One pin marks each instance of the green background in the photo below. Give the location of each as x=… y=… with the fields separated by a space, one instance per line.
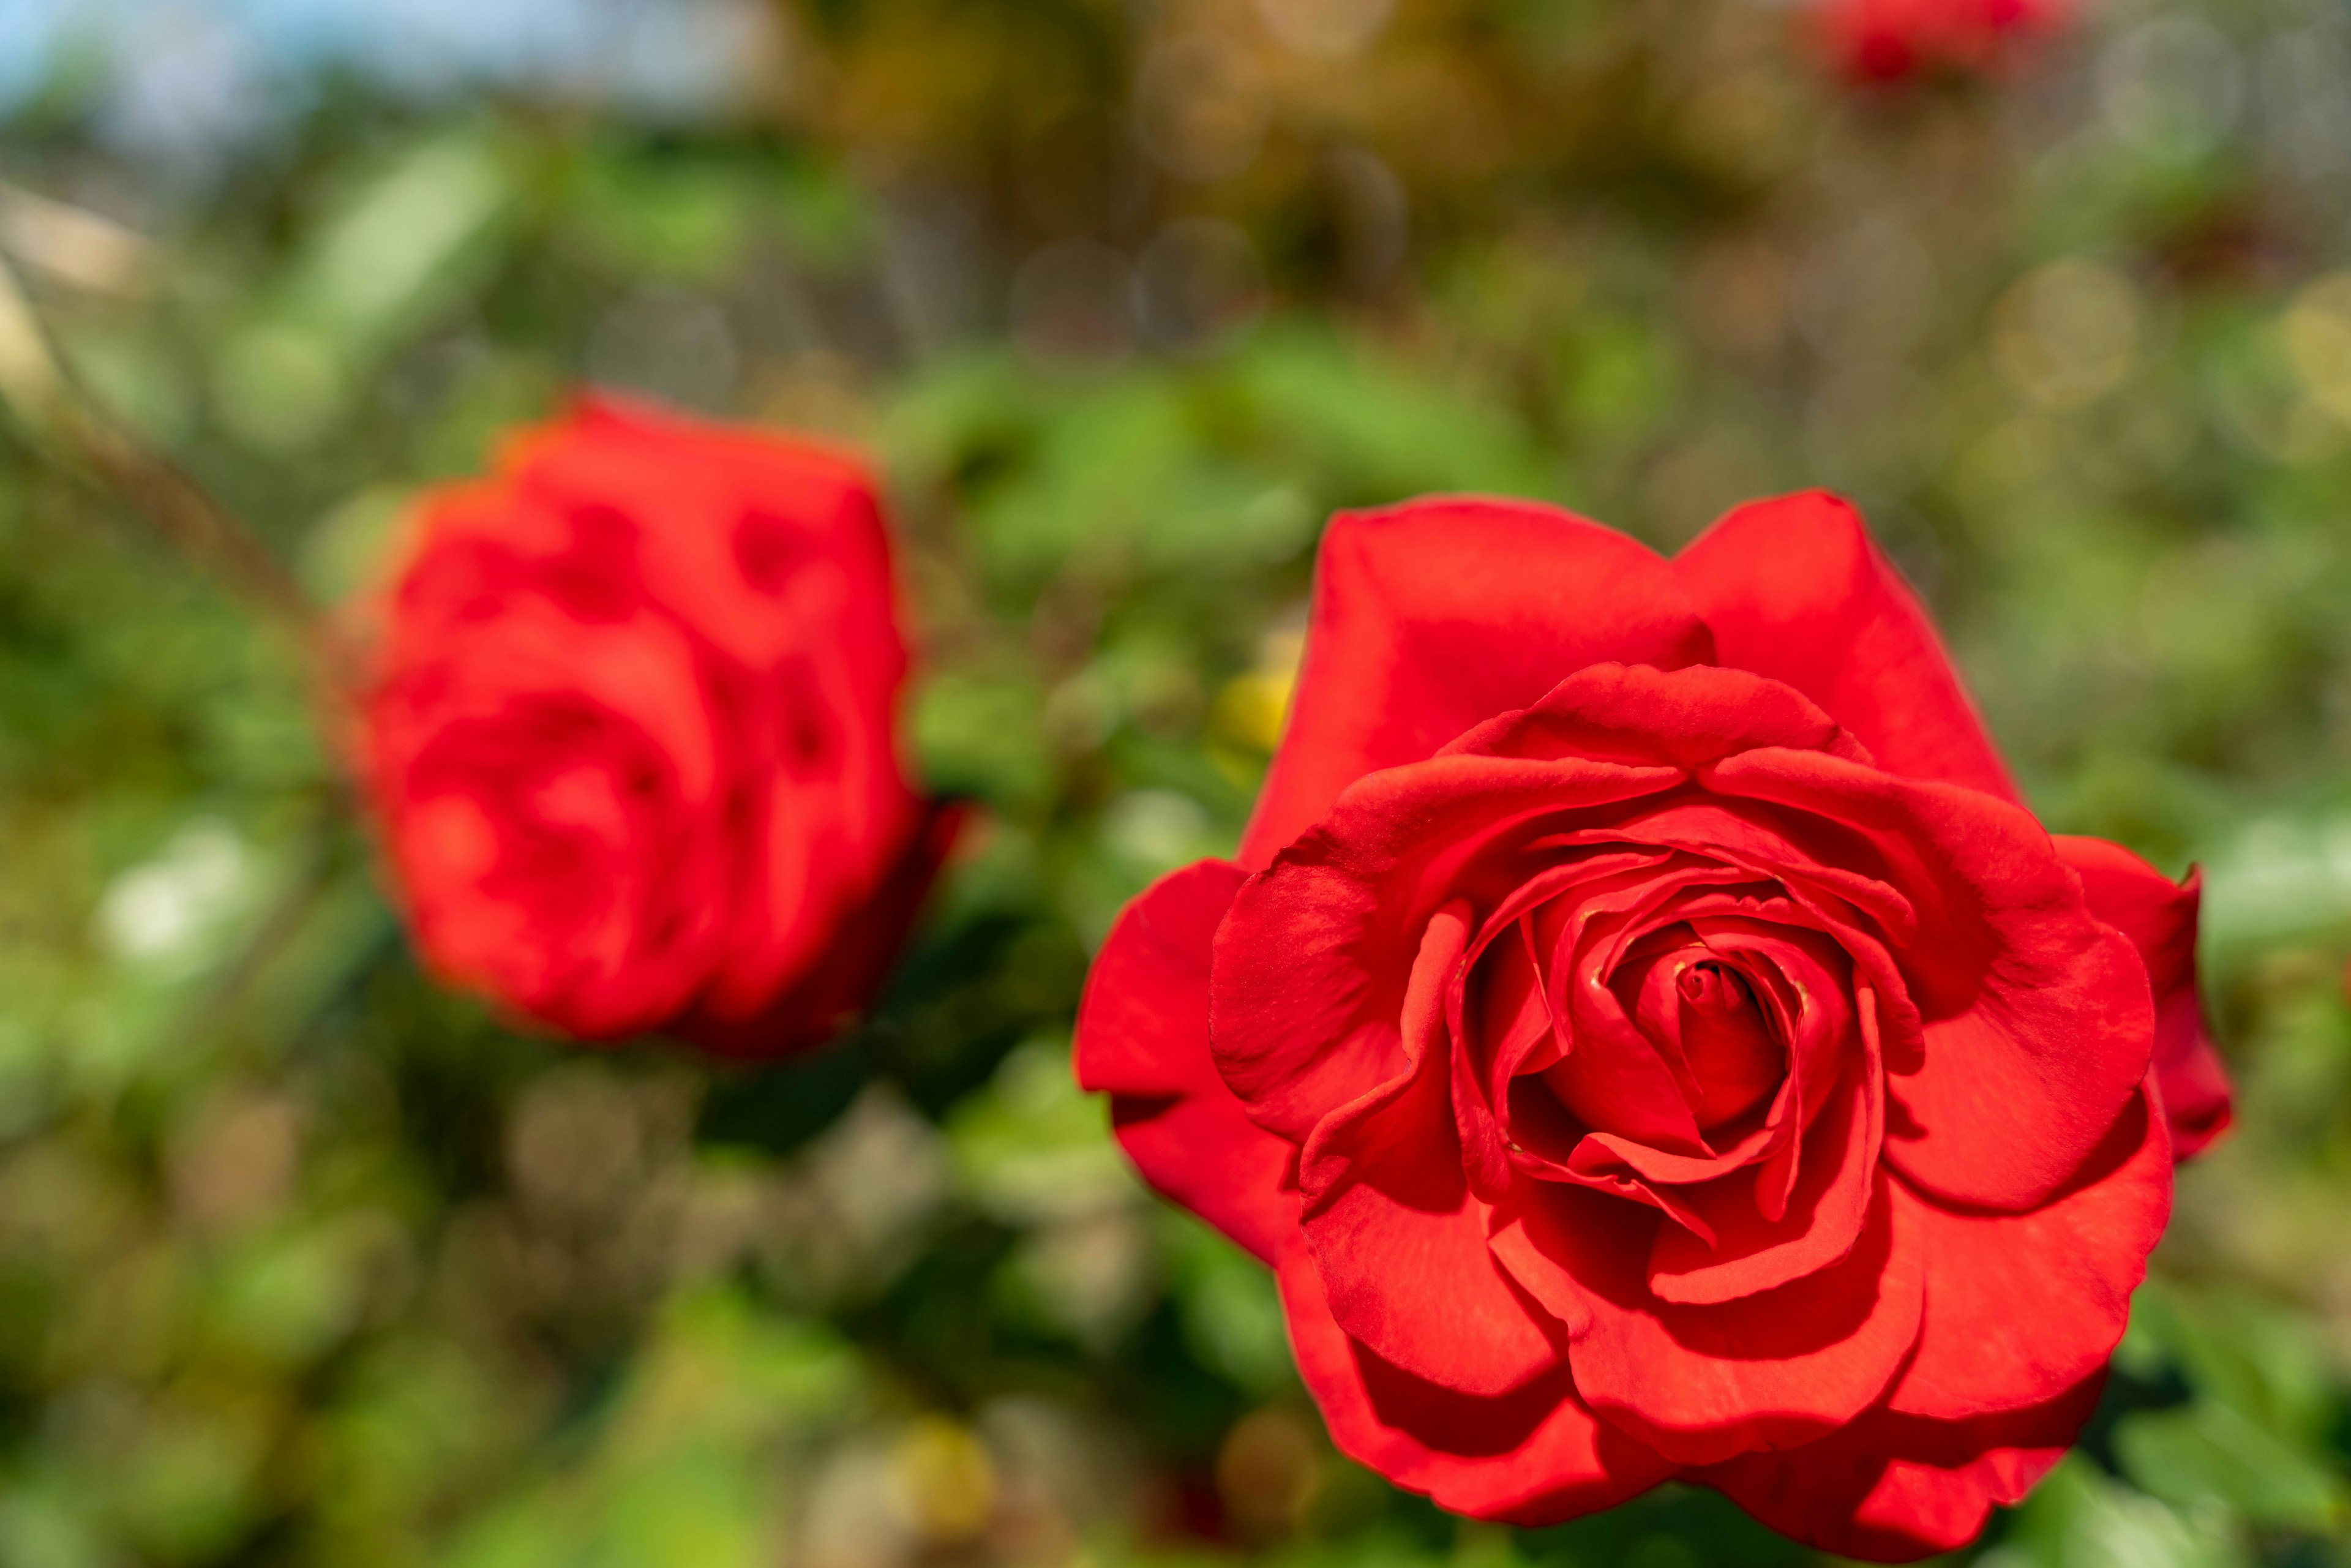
x=303 y=1261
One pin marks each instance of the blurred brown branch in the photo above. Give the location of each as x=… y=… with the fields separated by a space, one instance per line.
x=68 y=429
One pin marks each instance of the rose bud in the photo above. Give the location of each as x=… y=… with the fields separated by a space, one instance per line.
x=631 y=738
x=1650 y=1037
x=1887 y=41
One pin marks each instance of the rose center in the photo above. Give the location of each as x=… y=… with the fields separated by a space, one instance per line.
x=1732 y=1061
x=1701 y=1049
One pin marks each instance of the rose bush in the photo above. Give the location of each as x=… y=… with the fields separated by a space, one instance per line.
x=631 y=734
x=1649 y=1037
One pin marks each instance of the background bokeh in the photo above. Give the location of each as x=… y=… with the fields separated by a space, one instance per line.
x=305 y=1262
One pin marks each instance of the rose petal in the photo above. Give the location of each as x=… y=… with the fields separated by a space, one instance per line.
x=1802 y=977
x=2160 y=917
x=1801 y=852
x=1399 y=1238
x=1607 y=1164
x=2037 y=1019
x=1500 y=1019
x=2022 y=1306
x=1699 y=1383
x=1143 y=1036
x=1520 y=1233
x=1639 y=715
x=1142 y=1023
x=1896 y=1487
x=538 y=845
x=1612 y=1075
x=1794 y=589
x=1437 y=615
x=863 y=939
x=767 y=543
x=1859 y=911
x=1485 y=1143
x=1598 y=1152
x=1201 y=1152
x=1822 y=1223
x=1535 y=1456
x=1711 y=1030
x=1307 y=982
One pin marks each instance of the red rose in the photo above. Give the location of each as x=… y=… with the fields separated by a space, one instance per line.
x=1650 y=1037
x=1893 y=40
x=631 y=738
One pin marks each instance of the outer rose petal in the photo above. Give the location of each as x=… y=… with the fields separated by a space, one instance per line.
x=1535 y=1456
x=1440 y=613
x=2021 y=1307
x=1143 y=1036
x=1794 y=589
x=1896 y=1488
x=1137 y=1032
x=1202 y=1152
x=2160 y=917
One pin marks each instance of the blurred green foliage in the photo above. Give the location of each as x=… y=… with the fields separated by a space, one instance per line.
x=303 y=1261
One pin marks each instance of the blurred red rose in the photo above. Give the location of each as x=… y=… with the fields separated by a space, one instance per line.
x=1891 y=40
x=1650 y=1037
x=632 y=736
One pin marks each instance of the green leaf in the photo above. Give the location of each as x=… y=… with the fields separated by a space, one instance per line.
x=2078 y=1518
x=2206 y=1453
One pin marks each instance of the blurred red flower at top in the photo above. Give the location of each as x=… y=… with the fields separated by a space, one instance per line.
x=1649 y=1038
x=1892 y=40
x=631 y=735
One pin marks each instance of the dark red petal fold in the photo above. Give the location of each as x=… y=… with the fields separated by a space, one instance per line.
x=1142 y=1037
x=1440 y=613
x=1894 y=1488
x=1794 y=589
x=1533 y=1456
x=2160 y=917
